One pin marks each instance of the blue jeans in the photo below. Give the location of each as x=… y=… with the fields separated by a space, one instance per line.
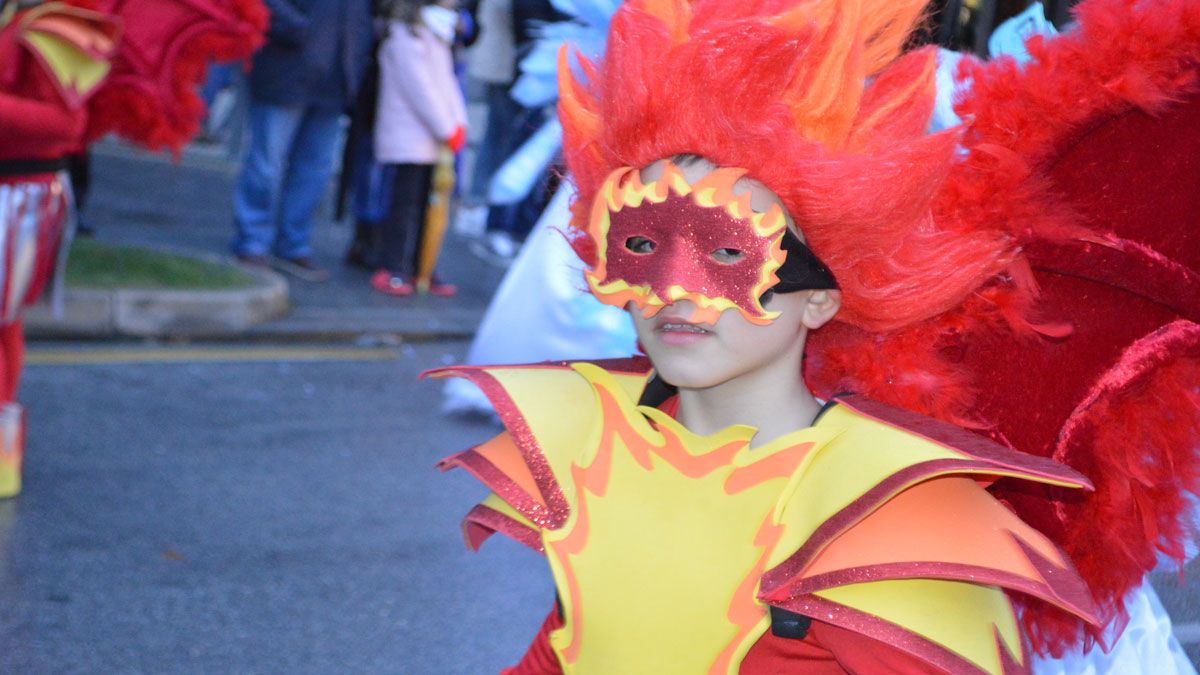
x=499 y=140
x=284 y=177
x=220 y=76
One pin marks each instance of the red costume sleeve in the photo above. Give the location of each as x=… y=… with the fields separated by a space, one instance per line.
x=858 y=654
x=540 y=658
x=35 y=125
x=829 y=650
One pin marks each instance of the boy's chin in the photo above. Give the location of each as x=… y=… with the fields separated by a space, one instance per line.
x=690 y=375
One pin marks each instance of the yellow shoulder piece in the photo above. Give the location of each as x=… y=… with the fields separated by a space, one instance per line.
x=548 y=410
x=890 y=532
x=74 y=44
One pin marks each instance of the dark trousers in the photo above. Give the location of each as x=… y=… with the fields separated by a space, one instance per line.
x=404 y=225
x=518 y=219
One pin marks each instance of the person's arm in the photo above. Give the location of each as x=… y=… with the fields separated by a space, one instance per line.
x=36 y=123
x=288 y=24
x=539 y=659
x=412 y=69
x=861 y=655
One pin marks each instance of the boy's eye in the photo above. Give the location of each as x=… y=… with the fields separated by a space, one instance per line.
x=639 y=244
x=727 y=255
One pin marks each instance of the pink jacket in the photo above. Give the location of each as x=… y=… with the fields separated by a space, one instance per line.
x=420 y=103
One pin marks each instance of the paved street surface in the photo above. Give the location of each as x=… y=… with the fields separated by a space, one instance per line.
x=261 y=509
x=192 y=515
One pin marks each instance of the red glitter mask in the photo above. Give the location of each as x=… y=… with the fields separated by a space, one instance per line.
x=666 y=241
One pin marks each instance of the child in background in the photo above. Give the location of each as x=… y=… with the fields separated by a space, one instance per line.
x=421 y=108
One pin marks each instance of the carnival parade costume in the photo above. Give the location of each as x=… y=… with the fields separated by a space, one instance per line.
x=1019 y=327
x=71 y=72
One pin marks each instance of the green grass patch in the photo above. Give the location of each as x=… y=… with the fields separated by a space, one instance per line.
x=92 y=264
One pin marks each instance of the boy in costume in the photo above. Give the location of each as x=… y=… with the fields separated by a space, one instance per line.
x=748 y=172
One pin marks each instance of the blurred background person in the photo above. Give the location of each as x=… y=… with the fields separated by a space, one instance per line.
x=491 y=62
x=421 y=110
x=363 y=189
x=301 y=81
x=509 y=224
x=363 y=186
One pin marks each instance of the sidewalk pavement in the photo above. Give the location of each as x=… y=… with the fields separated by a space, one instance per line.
x=145 y=199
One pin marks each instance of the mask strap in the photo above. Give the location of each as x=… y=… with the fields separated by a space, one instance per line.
x=802 y=270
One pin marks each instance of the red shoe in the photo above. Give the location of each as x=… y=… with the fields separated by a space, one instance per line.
x=388 y=284
x=441 y=289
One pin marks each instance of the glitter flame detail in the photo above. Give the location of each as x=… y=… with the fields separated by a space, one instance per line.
x=624 y=189
x=716 y=468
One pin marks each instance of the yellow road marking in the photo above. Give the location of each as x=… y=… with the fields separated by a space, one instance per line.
x=56 y=356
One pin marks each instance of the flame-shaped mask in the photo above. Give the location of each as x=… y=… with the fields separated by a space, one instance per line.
x=667 y=240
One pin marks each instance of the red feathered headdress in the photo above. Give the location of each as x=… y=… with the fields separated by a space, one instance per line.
x=777 y=88
x=150 y=96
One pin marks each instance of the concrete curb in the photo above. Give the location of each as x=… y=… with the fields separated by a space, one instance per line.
x=90 y=313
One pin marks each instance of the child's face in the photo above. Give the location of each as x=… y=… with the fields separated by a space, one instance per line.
x=696 y=355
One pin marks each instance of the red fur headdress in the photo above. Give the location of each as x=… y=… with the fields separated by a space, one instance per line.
x=777 y=87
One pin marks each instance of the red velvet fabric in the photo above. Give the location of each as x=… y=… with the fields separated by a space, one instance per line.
x=1148 y=196
x=1109 y=398
x=150 y=97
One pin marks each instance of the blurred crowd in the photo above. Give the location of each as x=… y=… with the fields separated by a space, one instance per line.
x=376 y=97
x=387 y=84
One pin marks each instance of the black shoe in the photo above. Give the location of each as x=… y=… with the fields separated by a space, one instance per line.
x=253 y=261
x=301 y=268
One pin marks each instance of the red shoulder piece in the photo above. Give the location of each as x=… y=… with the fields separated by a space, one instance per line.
x=73 y=46
x=499 y=465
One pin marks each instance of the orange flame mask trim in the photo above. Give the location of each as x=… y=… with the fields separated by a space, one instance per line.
x=667 y=241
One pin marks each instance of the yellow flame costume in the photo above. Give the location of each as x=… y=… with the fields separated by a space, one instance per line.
x=668 y=548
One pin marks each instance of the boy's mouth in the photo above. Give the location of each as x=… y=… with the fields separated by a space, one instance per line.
x=679 y=327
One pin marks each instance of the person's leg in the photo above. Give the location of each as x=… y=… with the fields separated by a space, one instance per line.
x=219 y=78
x=400 y=228
x=494 y=147
x=272 y=129
x=364 y=178
x=506 y=218
x=12 y=348
x=310 y=167
x=79 y=167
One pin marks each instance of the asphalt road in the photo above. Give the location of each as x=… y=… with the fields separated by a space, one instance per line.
x=259 y=509
x=253 y=517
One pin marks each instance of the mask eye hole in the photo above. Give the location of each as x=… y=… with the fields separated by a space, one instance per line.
x=727 y=256
x=640 y=245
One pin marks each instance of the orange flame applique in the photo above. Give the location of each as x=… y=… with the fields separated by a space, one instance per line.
x=669 y=533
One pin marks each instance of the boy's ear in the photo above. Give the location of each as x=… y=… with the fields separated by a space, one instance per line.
x=821 y=307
